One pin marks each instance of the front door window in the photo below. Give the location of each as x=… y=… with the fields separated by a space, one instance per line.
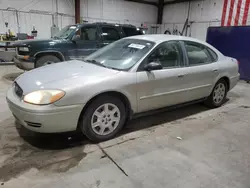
x=88 y=34
x=168 y=54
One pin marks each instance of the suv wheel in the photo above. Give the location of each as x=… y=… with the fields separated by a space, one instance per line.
x=46 y=60
x=103 y=119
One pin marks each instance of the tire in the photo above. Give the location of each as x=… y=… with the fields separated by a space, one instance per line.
x=98 y=133
x=213 y=101
x=45 y=60
x=167 y=32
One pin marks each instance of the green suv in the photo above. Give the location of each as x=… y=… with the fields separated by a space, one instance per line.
x=72 y=42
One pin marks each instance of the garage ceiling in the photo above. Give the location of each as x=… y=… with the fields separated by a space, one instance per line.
x=157 y=2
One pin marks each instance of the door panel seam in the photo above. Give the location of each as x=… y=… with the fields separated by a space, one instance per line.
x=172 y=92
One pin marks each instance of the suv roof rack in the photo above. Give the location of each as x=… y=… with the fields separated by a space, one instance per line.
x=101 y=23
x=130 y=25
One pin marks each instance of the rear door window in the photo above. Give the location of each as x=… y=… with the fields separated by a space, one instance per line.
x=197 y=53
x=131 y=31
x=213 y=54
x=110 y=33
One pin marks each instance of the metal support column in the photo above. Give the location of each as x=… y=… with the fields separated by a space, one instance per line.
x=77 y=11
x=160 y=11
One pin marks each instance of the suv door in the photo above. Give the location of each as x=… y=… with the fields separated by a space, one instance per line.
x=165 y=87
x=88 y=41
x=110 y=34
x=201 y=70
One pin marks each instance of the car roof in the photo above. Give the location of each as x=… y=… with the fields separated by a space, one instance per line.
x=159 y=38
x=108 y=24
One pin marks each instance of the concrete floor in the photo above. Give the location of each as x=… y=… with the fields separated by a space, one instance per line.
x=213 y=150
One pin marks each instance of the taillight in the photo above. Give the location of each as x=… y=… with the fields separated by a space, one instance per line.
x=238 y=65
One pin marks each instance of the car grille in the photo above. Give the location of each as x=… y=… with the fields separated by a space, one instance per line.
x=18 y=90
x=32 y=124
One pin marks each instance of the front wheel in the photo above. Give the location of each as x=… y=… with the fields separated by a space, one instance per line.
x=103 y=118
x=46 y=60
x=218 y=95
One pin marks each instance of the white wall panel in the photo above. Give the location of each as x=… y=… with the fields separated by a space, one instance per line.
x=118 y=11
x=203 y=13
x=42 y=23
x=66 y=6
x=93 y=9
x=39 y=13
x=65 y=20
x=10 y=17
x=199 y=30
x=175 y=13
x=216 y=23
x=45 y=5
x=36 y=13
x=206 y=10
x=168 y=27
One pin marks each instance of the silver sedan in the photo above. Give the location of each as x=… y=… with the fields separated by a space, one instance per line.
x=128 y=77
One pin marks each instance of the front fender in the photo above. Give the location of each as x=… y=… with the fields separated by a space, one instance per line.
x=46 y=52
x=81 y=93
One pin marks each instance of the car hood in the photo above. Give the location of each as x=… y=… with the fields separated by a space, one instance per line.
x=48 y=77
x=32 y=42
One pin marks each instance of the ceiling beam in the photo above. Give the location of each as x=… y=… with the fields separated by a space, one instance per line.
x=143 y=2
x=176 y=1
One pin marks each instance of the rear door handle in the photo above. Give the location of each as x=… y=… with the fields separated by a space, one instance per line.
x=215 y=70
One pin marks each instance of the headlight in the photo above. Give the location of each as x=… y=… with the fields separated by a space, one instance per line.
x=44 y=96
x=24 y=49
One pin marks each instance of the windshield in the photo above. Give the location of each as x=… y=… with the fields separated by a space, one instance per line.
x=122 y=54
x=65 y=32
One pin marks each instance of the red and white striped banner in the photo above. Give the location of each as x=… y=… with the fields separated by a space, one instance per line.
x=235 y=12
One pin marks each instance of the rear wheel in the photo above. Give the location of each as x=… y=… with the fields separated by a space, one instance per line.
x=46 y=60
x=218 y=95
x=103 y=118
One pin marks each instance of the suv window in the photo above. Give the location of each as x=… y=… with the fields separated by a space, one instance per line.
x=168 y=54
x=131 y=31
x=197 y=53
x=88 y=33
x=110 y=33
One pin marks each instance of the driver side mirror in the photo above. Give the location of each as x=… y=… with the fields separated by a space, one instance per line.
x=153 y=66
x=76 y=38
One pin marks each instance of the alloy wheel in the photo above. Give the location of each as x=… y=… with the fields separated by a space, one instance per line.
x=219 y=93
x=105 y=119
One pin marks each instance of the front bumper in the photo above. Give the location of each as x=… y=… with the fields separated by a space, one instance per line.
x=44 y=118
x=23 y=64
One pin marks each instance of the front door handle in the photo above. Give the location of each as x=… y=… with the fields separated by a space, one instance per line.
x=215 y=70
x=181 y=76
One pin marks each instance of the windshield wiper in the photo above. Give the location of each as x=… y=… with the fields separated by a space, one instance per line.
x=95 y=62
x=100 y=64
